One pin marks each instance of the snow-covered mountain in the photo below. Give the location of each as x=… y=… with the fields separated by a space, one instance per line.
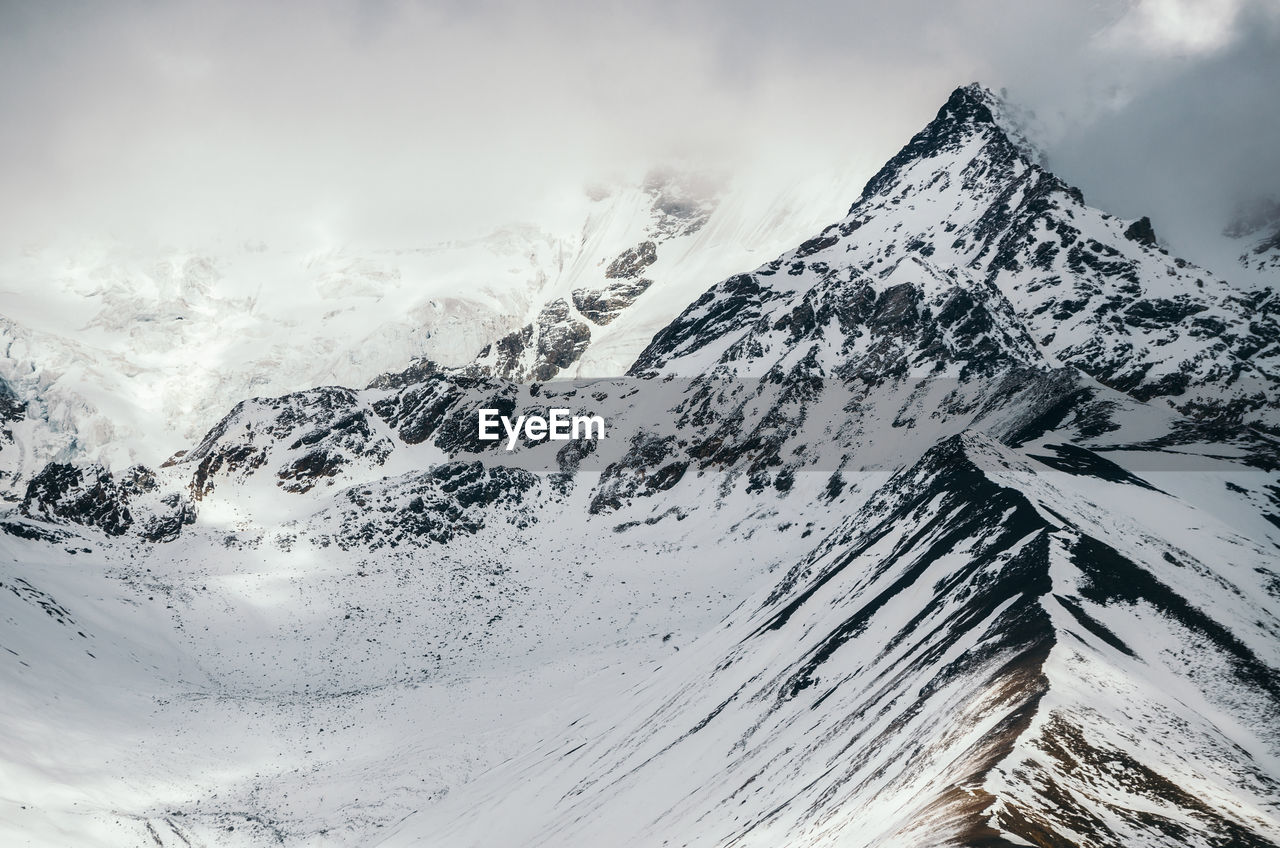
x=125 y=356
x=954 y=525
x=964 y=216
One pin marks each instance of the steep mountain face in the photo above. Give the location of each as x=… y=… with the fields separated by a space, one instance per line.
x=985 y=503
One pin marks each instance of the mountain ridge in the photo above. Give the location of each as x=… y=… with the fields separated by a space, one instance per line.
x=788 y=760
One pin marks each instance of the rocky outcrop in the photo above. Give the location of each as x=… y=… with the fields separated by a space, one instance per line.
x=537 y=351
x=601 y=306
x=117 y=504
x=165 y=526
x=11 y=408
x=631 y=263
x=1142 y=232
x=91 y=497
x=432 y=507
x=312 y=435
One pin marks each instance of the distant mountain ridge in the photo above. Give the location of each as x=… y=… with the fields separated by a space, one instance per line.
x=124 y=356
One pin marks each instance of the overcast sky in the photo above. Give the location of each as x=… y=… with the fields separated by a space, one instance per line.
x=407 y=122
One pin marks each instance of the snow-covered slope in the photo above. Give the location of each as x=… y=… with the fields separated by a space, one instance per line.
x=954 y=525
x=991 y=651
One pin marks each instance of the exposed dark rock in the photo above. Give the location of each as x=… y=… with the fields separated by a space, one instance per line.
x=1161 y=312
x=434 y=507
x=540 y=350
x=87 y=496
x=227 y=459
x=1142 y=232
x=652 y=465
x=728 y=306
x=329 y=426
x=816 y=244
x=11 y=411
x=601 y=306
x=137 y=480
x=418 y=410
x=11 y=408
x=24 y=530
x=165 y=527
x=1086 y=463
x=631 y=263
x=419 y=371
x=332 y=447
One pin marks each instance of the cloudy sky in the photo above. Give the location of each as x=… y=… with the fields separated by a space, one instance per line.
x=412 y=121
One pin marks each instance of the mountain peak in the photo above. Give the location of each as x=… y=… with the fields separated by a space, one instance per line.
x=972 y=111
x=973 y=102
x=982 y=105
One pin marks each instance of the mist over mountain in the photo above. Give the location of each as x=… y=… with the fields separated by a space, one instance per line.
x=402 y=124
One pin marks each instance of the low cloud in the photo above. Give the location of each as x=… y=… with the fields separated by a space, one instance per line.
x=410 y=122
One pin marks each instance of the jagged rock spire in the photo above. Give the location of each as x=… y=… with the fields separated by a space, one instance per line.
x=971 y=111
